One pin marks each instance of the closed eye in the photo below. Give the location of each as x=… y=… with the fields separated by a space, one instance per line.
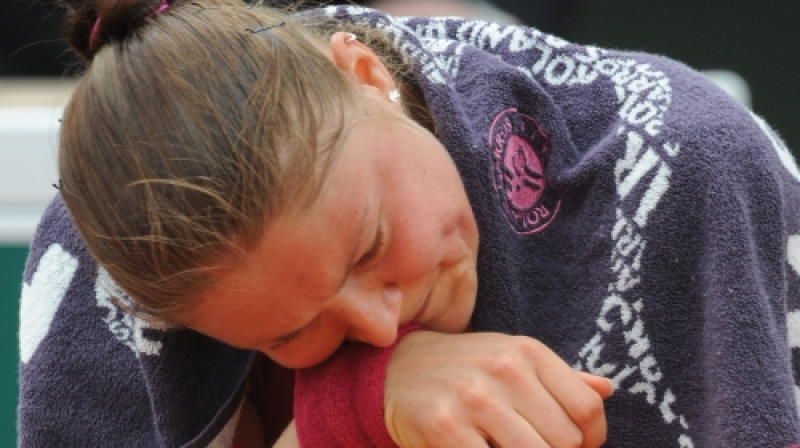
x=285 y=339
x=373 y=251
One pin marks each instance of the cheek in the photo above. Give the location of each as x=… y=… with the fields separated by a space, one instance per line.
x=413 y=253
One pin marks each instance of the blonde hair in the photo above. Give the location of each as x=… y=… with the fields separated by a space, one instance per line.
x=188 y=132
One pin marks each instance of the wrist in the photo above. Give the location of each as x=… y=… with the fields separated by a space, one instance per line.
x=340 y=402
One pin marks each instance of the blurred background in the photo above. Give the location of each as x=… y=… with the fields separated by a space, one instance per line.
x=751 y=48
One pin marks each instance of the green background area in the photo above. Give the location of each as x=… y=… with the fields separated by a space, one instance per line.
x=12 y=261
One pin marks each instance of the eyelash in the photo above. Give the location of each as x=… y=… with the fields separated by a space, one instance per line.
x=285 y=341
x=374 y=250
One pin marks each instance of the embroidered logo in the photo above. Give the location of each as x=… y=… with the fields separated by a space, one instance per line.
x=126 y=328
x=518 y=146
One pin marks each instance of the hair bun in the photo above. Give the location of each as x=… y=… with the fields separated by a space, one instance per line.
x=89 y=25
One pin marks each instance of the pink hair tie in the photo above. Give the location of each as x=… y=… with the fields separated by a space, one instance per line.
x=163 y=5
x=161 y=8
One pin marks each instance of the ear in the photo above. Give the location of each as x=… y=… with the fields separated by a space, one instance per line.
x=359 y=63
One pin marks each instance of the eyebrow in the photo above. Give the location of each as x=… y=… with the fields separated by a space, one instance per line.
x=351 y=259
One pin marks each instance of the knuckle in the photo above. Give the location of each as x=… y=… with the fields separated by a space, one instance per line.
x=442 y=423
x=590 y=409
x=515 y=360
x=529 y=347
x=504 y=366
x=474 y=394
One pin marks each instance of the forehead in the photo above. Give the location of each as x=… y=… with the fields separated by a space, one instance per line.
x=300 y=260
x=310 y=241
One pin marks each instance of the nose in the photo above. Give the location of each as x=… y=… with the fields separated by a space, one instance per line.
x=371 y=316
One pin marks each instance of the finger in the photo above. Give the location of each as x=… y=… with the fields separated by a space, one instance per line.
x=550 y=397
x=464 y=440
x=602 y=386
x=581 y=403
x=510 y=430
x=493 y=407
x=547 y=417
x=444 y=429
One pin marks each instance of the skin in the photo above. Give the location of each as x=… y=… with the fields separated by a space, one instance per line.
x=392 y=239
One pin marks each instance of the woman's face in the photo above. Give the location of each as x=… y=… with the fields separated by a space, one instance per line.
x=391 y=239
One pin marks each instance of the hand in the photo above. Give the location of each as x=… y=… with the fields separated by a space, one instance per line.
x=487 y=389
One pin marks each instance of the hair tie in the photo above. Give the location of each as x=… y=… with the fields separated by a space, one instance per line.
x=161 y=8
x=163 y=5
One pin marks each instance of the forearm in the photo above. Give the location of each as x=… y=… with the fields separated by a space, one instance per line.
x=339 y=403
x=423 y=391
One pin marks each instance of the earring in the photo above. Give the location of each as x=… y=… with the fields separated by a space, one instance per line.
x=394 y=96
x=350 y=38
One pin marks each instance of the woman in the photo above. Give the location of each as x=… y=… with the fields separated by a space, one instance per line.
x=300 y=186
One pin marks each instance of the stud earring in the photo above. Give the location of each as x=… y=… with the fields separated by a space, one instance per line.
x=350 y=38
x=394 y=96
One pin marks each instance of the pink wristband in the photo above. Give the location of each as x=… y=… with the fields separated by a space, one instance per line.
x=339 y=403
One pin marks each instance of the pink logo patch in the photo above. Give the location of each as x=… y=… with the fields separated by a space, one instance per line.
x=518 y=146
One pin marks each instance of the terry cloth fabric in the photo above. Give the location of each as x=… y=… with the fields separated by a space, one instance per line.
x=359 y=399
x=92 y=374
x=633 y=217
